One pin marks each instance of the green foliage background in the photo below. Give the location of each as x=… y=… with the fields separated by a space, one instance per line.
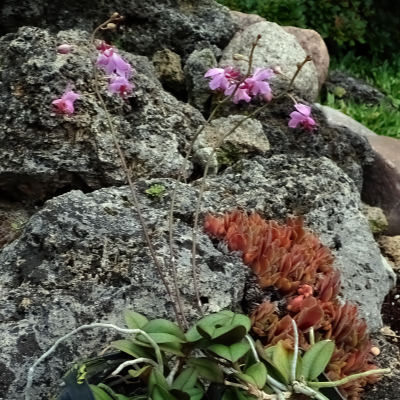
x=363 y=37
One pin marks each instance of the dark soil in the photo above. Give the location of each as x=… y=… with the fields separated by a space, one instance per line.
x=389 y=344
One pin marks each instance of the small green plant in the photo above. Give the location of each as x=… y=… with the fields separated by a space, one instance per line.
x=155 y=191
x=215 y=359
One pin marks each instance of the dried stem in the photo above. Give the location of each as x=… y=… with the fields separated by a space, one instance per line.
x=202 y=187
x=178 y=312
x=299 y=68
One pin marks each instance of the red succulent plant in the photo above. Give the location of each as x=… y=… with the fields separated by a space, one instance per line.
x=294 y=261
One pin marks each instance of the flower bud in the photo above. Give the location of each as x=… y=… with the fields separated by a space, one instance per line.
x=239 y=57
x=111 y=26
x=114 y=15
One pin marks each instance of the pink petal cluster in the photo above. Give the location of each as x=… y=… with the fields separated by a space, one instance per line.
x=120 y=85
x=302 y=117
x=65 y=105
x=117 y=68
x=227 y=80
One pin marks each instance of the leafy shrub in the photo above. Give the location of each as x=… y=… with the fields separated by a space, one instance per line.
x=371 y=25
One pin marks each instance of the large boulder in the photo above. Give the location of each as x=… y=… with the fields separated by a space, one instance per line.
x=313 y=44
x=381 y=186
x=351 y=152
x=319 y=191
x=148 y=25
x=348 y=87
x=42 y=153
x=275 y=48
x=83 y=259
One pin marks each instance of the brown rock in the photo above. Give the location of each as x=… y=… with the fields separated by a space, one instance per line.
x=313 y=44
x=243 y=20
x=390 y=246
x=382 y=180
x=169 y=70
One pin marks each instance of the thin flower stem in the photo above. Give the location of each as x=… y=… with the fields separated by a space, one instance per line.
x=250 y=62
x=299 y=68
x=173 y=199
x=178 y=311
x=349 y=378
x=31 y=370
x=181 y=173
x=202 y=187
x=295 y=352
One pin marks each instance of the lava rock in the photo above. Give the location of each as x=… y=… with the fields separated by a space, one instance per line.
x=148 y=26
x=42 y=153
x=348 y=87
x=83 y=259
x=319 y=191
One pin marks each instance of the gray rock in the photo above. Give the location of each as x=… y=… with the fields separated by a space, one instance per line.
x=381 y=186
x=275 y=48
x=351 y=152
x=247 y=139
x=330 y=203
x=42 y=153
x=197 y=64
x=337 y=118
x=82 y=259
x=169 y=71
x=148 y=26
x=376 y=219
x=348 y=87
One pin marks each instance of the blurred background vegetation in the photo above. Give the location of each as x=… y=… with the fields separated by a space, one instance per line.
x=363 y=38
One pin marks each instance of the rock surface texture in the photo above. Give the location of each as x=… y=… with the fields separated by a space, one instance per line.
x=382 y=176
x=42 y=153
x=275 y=48
x=82 y=259
x=72 y=249
x=329 y=201
x=349 y=87
x=313 y=44
x=149 y=25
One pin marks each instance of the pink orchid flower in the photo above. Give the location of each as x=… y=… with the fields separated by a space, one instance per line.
x=222 y=78
x=112 y=63
x=302 y=117
x=65 y=105
x=120 y=85
x=257 y=84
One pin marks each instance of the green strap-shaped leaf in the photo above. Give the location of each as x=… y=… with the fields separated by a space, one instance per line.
x=232 y=353
x=162 y=338
x=316 y=359
x=207 y=369
x=156 y=378
x=159 y=393
x=186 y=380
x=281 y=361
x=135 y=320
x=164 y=326
x=131 y=348
x=258 y=372
x=99 y=394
